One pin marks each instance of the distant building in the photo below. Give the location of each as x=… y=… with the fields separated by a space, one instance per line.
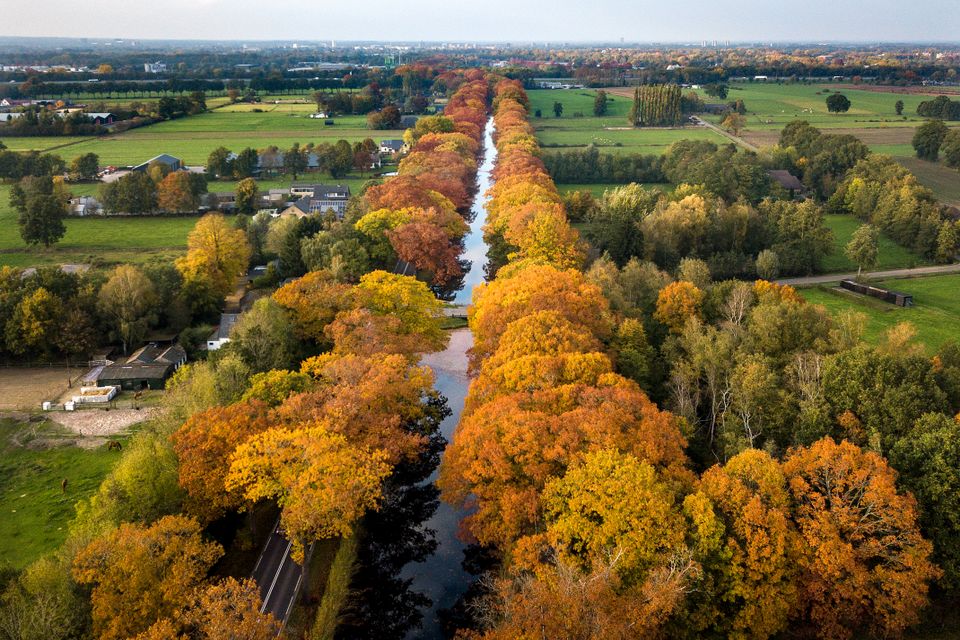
x=155 y=67
x=319 y=198
x=102 y=118
x=392 y=146
x=788 y=181
x=7 y=117
x=222 y=335
x=85 y=206
x=174 y=164
x=148 y=368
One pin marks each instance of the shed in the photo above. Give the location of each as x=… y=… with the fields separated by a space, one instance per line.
x=148 y=368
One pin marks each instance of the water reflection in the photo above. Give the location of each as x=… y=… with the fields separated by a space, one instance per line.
x=412 y=572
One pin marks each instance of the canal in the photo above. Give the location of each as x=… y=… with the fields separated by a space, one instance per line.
x=410 y=571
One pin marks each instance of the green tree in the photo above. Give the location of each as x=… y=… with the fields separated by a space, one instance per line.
x=928 y=138
x=126 y=300
x=41 y=220
x=219 y=163
x=248 y=195
x=838 y=103
x=295 y=160
x=767 y=265
x=264 y=337
x=600 y=103
x=948 y=241
x=340 y=159
x=245 y=164
x=557 y=109
x=85 y=167
x=928 y=461
x=863 y=248
x=951 y=148
x=135 y=192
x=898 y=107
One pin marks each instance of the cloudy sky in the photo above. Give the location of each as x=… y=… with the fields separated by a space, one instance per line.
x=498 y=20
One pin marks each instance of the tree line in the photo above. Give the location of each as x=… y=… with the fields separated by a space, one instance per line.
x=760 y=501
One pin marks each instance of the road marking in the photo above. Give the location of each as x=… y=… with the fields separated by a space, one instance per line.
x=264 y=550
x=276 y=576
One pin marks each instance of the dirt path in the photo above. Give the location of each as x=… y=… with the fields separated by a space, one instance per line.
x=726 y=134
x=876 y=275
x=100 y=423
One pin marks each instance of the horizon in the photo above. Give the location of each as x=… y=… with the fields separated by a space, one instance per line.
x=755 y=21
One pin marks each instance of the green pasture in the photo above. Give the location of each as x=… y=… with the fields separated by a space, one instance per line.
x=890 y=254
x=935 y=313
x=771 y=106
x=193 y=138
x=34 y=512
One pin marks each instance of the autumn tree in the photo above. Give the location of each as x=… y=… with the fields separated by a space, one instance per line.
x=678 y=302
x=506 y=450
x=863 y=564
x=203 y=446
x=734 y=123
x=175 y=193
x=380 y=402
x=34 y=322
x=408 y=300
x=427 y=248
x=322 y=484
x=534 y=288
x=313 y=301
x=248 y=195
x=127 y=300
x=744 y=541
x=140 y=574
x=217 y=254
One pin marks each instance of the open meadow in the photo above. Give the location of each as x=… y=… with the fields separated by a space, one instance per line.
x=935 y=312
x=610 y=132
x=35 y=458
x=890 y=255
x=192 y=138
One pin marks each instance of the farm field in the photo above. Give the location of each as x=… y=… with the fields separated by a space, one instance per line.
x=193 y=138
x=935 y=314
x=610 y=132
x=890 y=254
x=35 y=511
x=102 y=240
x=941 y=179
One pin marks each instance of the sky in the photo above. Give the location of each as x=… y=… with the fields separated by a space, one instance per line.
x=518 y=21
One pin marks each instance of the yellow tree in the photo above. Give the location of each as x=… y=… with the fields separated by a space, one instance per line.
x=408 y=300
x=863 y=563
x=141 y=574
x=505 y=451
x=322 y=484
x=744 y=540
x=676 y=303
x=531 y=289
x=217 y=254
x=313 y=301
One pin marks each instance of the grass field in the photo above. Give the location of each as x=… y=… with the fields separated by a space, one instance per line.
x=107 y=241
x=890 y=254
x=610 y=131
x=935 y=314
x=193 y=138
x=34 y=513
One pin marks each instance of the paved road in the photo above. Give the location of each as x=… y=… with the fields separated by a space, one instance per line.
x=278 y=576
x=726 y=134
x=875 y=275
